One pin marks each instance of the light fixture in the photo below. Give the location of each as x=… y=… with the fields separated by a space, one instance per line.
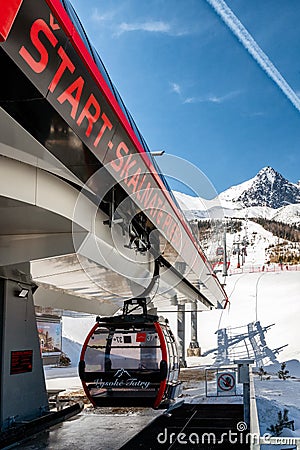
x=22 y=292
x=157 y=153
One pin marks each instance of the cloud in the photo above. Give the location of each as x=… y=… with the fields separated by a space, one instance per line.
x=191 y=100
x=103 y=17
x=223 y=98
x=211 y=98
x=150 y=26
x=256 y=114
x=175 y=88
x=253 y=48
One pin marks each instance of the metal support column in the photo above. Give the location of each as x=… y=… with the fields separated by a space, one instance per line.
x=225 y=251
x=194 y=349
x=23 y=393
x=181 y=333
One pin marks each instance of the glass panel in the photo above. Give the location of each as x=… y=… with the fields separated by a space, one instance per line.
x=133 y=349
x=173 y=354
x=121 y=103
x=137 y=132
x=136 y=350
x=78 y=25
x=95 y=352
x=102 y=68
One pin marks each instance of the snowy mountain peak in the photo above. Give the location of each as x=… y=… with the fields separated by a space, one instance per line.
x=268 y=172
x=267 y=188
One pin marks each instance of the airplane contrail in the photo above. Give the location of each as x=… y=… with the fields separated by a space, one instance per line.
x=253 y=48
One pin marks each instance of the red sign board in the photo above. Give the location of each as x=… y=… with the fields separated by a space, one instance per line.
x=141 y=337
x=46 y=47
x=226 y=383
x=21 y=361
x=9 y=10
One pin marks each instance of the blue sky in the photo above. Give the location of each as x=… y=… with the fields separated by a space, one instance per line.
x=195 y=91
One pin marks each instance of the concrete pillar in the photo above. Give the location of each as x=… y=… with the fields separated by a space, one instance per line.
x=181 y=333
x=23 y=393
x=194 y=349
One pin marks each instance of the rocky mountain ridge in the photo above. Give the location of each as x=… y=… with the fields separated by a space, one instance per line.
x=268 y=188
x=267 y=195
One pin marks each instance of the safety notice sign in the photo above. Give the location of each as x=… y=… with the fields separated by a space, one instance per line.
x=226 y=383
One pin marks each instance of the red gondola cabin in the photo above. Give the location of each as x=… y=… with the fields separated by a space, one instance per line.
x=130 y=360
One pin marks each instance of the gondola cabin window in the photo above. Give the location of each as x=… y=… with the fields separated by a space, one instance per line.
x=132 y=349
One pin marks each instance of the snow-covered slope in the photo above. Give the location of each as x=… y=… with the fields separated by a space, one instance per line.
x=288 y=214
x=229 y=198
x=199 y=208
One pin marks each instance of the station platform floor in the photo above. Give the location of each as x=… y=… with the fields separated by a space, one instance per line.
x=102 y=429
x=112 y=428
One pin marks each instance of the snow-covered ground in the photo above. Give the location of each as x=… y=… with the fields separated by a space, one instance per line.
x=274 y=395
x=270 y=297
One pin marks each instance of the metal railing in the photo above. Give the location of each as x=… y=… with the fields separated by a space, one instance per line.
x=223 y=381
x=264 y=269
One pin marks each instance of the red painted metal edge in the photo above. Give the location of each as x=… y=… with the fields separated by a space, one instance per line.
x=164 y=357
x=84 y=385
x=87 y=340
x=87 y=393
x=63 y=17
x=8 y=11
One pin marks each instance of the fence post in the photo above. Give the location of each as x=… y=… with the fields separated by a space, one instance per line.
x=244 y=377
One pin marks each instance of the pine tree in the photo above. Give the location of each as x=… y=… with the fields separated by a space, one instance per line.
x=261 y=372
x=283 y=373
x=282 y=422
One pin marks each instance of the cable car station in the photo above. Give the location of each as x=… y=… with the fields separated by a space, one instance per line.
x=88 y=224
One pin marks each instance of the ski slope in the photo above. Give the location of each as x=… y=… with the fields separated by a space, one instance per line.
x=271 y=298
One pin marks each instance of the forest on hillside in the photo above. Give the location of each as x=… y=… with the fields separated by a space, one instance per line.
x=280 y=229
x=287 y=248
